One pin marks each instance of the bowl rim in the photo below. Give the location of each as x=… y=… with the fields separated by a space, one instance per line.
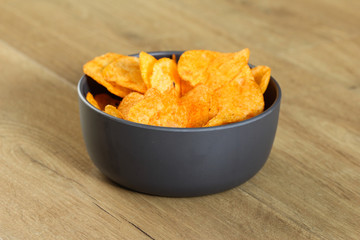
x=265 y=113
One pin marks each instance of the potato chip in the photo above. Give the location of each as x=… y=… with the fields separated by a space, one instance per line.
x=226 y=66
x=147 y=62
x=113 y=111
x=214 y=105
x=262 y=76
x=104 y=99
x=185 y=87
x=94 y=69
x=90 y=98
x=117 y=89
x=238 y=100
x=165 y=77
x=128 y=101
x=145 y=109
x=152 y=92
x=193 y=65
x=125 y=72
x=197 y=104
x=246 y=73
x=173 y=114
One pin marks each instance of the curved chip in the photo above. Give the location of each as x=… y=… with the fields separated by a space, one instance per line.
x=238 y=100
x=147 y=62
x=94 y=70
x=165 y=77
x=128 y=101
x=145 y=109
x=197 y=104
x=172 y=114
x=262 y=76
x=185 y=87
x=226 y=66
x=113 y=111
x=125 y=72
x=94 y=67
x=193 y=65
x=104 y=99
x=90 y=98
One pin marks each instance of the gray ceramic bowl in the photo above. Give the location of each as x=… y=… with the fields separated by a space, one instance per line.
x=177 y=162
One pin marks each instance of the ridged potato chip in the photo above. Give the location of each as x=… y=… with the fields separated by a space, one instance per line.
x=165 y=77
x=95 y=67
x=262 y=76
x=238 y=100
x=147 y=62
x=125 y=72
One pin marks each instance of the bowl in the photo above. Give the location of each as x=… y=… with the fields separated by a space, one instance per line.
x=177 y=162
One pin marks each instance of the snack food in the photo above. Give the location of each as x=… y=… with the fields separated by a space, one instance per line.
x=203 y=89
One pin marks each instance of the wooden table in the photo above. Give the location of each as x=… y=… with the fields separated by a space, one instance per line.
x=308 y=189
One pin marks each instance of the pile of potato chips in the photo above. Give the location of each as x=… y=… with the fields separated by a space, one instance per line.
x=202 y=89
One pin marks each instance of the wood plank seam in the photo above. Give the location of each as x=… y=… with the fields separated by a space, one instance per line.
x=125 y=219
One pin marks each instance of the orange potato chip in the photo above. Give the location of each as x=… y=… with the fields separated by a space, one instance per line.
x=193 y=65
x=197 y=104
x=90 y=98
x=125 y=72
x=173 y=114
x=262 y=76
x=128 y=101
x=226 y=67
x=246 y=73
x=104 y=99
x=152 y=92
x=145 y=109
x=113 y=111
x=185 y=87
x=214 y=106
x=238 y=100
x=165 y=77
x=117 y=89
x=101 y=100
x=147 y=62
x=94 y=69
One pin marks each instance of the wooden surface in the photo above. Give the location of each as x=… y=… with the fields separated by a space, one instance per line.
x=308 y=189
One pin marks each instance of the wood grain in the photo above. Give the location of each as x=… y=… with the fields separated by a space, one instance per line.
x=308 y=189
